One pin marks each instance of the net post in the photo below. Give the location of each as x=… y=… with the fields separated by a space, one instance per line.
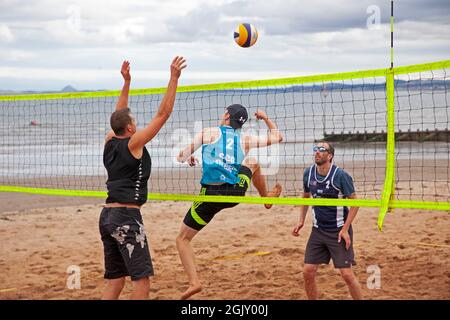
x=391 y=198
x=392 y=34
x=389 y=182
x=390 y=209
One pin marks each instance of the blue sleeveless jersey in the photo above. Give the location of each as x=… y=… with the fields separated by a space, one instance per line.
x=330 y=218
x=222 y=159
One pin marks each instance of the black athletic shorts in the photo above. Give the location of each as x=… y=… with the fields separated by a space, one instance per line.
x=125 y=244
x=201 y=213
x=323 y=246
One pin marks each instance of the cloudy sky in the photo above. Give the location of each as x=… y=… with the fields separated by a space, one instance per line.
x=47 y=44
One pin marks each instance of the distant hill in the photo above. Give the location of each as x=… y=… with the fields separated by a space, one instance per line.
x=6 y=92
x=66 y=89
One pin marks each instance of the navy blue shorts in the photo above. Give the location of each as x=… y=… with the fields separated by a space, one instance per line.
x=323 y=246
x=125 y=244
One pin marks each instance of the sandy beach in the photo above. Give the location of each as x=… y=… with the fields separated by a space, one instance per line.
x=245 y=253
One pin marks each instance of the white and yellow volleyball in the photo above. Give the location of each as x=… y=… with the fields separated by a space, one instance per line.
x=245 y=35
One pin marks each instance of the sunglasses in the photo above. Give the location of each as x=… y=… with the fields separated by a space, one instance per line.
x=321 y=149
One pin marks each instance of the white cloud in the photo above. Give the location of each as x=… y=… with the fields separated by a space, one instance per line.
x=16 y=55
x=6 y=36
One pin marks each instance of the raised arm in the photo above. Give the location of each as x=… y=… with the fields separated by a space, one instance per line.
x=140 y=138
x=122 y=103
x=273 y=137
x=123 y=99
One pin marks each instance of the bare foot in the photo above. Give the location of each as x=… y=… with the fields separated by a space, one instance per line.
x=191 y=291
x=275 y=193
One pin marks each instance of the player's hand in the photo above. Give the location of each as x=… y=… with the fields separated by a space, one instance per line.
x=344 y=234
x=177 y=65
x=125 y=70
x=192 y=161
x=297 y=228
x=261 y=115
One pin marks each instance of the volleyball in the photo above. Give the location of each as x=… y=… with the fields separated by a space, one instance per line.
x=245 y=35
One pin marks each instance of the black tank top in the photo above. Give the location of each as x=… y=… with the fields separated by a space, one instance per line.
x=127 y=176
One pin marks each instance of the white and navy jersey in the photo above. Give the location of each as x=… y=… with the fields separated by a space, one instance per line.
x=336 y=184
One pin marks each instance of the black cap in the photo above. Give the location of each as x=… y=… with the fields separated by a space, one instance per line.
x=238 y=115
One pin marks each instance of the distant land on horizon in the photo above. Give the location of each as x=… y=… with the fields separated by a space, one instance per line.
x=426 y=84
x=66 y=89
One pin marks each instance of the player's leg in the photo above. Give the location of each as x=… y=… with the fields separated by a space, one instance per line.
x=113 y=288
x=197 y=217
x=187 y=258
x=136 y=254
x=316 y=253
x=115 y=268
x=352 y=283
x=260 y=182
x=128 y=251
x=141 y=289
x=344 y=259
x=309 y=276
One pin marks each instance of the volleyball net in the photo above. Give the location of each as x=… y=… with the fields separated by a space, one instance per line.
x=390 y=129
